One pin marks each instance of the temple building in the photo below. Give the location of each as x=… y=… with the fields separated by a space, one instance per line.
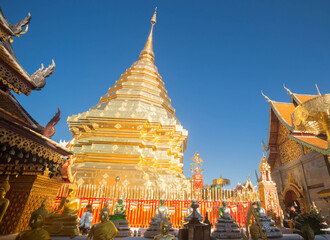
x=132 y=132
x=298 y=150
x=35 y=164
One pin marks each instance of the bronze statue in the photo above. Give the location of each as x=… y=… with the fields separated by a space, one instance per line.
x=66 y=223
x=36 y=223
x=105 y=230
x=4 y=202
x=165 y=227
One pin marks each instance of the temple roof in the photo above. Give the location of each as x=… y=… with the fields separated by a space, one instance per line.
x=11 y=108
x=284 y=113
x=301 y=98
x=314 y=142
x=16 y=78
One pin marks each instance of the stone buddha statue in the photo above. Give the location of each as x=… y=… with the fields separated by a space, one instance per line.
x=260 y=210
x=161 y=214
x=105 y=230
x=161 y=211
x=267 y=224
x=119 y=219
x=4 y=202
x=226 y=228
x=36 y=223
x=224 y=211
x=165 y=227
x=65 y=223
x=119 y=211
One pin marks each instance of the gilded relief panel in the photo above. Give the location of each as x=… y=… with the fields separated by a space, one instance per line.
x=289 y=150
x=307 y=150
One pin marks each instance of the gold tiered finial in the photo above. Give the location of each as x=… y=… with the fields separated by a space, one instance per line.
x=147 y=53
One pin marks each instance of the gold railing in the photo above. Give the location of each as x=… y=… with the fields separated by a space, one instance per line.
x=142 y=193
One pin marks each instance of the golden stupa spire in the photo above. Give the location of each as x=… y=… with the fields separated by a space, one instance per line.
x=147 y=53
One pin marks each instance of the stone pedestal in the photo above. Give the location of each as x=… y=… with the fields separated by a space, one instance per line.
x=154 y=228
x=123 y=228
x=59 y=227
x=26 y=194
x=226 y=229
x=269 y=226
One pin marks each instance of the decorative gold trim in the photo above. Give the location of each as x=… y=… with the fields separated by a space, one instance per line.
x=14 y=139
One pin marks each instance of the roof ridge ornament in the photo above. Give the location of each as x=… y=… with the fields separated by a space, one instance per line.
x=39 y=77
x=267 y=98
x=18 y=27
x=318 y=91
x=147 y=53
x=288 y=90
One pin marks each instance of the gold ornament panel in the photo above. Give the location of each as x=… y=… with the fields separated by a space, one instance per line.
x=25 y=196
x=16 y=140
x=289 y=150
x=12 y=80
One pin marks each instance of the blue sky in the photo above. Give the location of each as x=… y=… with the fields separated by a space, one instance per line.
x=214 y=56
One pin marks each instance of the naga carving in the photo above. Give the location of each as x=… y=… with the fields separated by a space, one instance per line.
x=18 y=27
x=39 y=77
x=49 y=130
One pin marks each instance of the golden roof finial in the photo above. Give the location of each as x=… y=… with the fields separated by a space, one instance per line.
x=318 y=91
x=147 y=53
x=153 y=19
x=288 y=90
x=266 y=97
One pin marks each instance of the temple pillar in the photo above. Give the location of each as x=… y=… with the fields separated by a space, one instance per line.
x=25 y=195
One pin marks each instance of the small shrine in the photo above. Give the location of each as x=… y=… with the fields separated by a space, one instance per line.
x=267 y=191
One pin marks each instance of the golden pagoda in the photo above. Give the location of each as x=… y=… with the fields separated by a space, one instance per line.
x=132 y=132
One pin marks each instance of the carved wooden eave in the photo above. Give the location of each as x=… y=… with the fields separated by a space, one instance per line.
x=12 y=74
x=25 y=151
x=13 y=30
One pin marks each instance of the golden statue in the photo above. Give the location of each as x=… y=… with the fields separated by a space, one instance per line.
x=165 y=227
x=4 y=202
x=105 y=230
x=36 y=223
x=66 y=223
